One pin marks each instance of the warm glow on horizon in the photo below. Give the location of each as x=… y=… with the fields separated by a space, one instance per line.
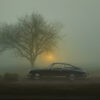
x=48 y=57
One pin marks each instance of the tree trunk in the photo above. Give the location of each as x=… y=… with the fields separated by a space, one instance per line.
x=32 y=64
x=32 y=61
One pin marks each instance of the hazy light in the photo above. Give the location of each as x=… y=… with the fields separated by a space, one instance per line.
x=48 y=57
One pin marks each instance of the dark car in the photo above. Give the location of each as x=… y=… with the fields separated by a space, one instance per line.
x=59 y=70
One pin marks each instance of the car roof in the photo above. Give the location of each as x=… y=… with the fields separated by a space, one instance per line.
x=62 y=63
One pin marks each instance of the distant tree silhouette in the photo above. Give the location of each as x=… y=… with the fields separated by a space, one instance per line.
x=29 y=37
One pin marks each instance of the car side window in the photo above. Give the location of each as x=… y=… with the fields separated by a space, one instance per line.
x=58 y=66
x=69 y=67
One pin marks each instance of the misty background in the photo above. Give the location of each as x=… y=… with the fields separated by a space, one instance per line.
x=81 y=31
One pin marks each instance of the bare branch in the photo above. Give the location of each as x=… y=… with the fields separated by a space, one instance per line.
x=30 y=36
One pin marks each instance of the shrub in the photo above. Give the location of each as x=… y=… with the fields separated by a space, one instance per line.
x=0 y=76
x=11 y=76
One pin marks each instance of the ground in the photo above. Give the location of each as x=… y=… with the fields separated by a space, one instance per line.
x=51 y=88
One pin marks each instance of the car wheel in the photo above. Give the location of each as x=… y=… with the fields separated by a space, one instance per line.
x=71 y=77
x=36 y=76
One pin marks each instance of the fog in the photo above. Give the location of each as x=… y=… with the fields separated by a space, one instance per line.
x=81 y=30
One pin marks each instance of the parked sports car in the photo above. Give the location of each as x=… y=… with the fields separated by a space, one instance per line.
x=59 y=70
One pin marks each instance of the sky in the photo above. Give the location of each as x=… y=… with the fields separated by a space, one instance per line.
x=81 y=27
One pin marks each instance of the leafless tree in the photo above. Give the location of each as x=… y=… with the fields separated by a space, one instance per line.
x=29 y=37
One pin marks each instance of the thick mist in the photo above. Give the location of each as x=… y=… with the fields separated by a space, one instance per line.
x=80 y=32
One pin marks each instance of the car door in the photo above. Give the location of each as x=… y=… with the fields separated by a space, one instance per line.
x=57 y=71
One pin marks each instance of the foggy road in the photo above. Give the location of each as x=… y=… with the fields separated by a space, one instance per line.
x=50 y=89
x=48 y=97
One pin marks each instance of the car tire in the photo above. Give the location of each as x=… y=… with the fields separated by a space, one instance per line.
x=72 y=77
x=36 y=76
